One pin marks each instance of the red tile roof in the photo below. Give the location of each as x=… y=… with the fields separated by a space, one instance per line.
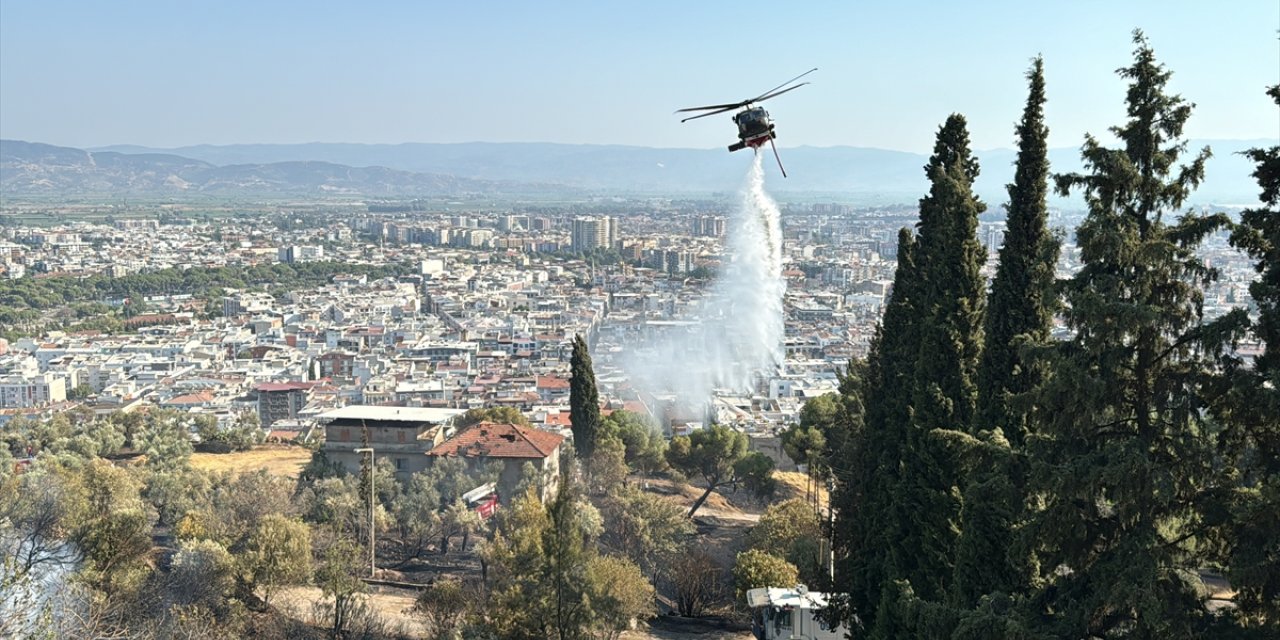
x=200 y=397
x=552 y=382
x=498 y=440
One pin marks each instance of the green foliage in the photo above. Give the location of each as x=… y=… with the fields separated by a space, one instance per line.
x=805 y=444
x=503 y=415
x=80 y=392
x=276 y=553
x=898 y=500
x=545 y=578
x=321 y=467
x=115 y=546
x=243 y=435
x=607 y=469
x=338 y=504
x=868 y=518
x=458 y=520
x=791 y=530
x=442 y=607
x=719 y=456
x=949 y=260
x=337 y=575
x=646 y=528
x=417 y=514
x=641 y=438
x=754 y=569
x=1252 y=410
x=1018 y=321
x=1022 y=297
x=165 y=440
x=619 y=594
x=65 y=433
x=202 y=573
x=175 y=492
x=1124 y=461
x=755 y=472
x=584 y=400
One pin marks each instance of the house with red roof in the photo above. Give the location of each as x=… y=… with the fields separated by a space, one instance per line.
x=509 y=444
x=553 y=389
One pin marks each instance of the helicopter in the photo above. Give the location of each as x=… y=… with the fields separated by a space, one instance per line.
x=754 y=127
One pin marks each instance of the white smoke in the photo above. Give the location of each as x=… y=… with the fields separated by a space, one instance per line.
x=739 y=334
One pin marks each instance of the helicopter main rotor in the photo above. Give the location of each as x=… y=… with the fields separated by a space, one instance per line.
x=721 y=108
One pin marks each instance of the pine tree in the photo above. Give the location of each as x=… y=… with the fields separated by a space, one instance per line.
x=1122 y=456
x=950 y=303
x=584 y=400
x=1022 y=303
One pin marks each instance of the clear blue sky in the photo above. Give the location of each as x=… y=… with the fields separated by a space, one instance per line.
x=176 y=73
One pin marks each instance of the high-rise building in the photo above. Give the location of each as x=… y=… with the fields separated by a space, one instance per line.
x=594 y=233
x=710 y=226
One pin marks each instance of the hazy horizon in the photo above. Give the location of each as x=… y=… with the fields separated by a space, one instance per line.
x=88 y=75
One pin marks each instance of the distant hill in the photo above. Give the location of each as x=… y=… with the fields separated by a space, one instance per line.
x=28 y=168
x=868 y=175
x=860 y=175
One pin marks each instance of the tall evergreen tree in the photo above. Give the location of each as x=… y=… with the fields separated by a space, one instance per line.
x=1122 y=456
x=1022 y=303
x=1253 y=412
x=952 y=289
x=866 y=469
x=584 y=400
x=950 y=303
x=1020 y=312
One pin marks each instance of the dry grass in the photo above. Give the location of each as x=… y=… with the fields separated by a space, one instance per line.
x=686 y=494
x=791 y=484
x=393 y=607
x=276 y=459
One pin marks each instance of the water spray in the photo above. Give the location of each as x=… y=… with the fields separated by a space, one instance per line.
x=739 y=337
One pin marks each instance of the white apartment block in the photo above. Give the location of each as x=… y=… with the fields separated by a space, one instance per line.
x=31 y=391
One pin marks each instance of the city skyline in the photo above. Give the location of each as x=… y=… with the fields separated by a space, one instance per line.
x=83 y=75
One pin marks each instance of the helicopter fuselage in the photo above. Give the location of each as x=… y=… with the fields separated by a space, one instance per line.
x=754 y=128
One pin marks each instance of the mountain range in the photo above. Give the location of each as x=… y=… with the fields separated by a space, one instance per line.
x=860 y=175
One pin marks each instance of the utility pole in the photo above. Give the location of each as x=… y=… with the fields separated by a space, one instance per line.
x=372 y=565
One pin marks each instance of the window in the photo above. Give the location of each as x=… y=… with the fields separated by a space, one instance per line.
x=400 y=462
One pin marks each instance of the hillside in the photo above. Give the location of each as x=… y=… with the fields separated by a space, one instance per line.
x=868 y=176
x=28 y=168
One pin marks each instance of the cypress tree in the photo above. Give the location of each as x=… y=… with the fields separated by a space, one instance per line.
x=584 y=400
x=1022 y=304
x=1122 y=456
x=950 y=303
x=1020 y=312
x=1253 y=412
x=952 y=288
x=866 y=470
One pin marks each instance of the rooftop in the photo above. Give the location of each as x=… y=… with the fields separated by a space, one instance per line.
x=499 y=440
x=391 y=414
x=797 y=597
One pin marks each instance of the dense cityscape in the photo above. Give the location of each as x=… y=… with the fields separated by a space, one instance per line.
x=435 y=322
